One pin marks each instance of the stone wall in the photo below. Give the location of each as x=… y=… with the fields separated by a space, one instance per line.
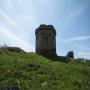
x=46 y=40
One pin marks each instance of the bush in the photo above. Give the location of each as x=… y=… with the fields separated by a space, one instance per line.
x=11 y=49
x=70 y=54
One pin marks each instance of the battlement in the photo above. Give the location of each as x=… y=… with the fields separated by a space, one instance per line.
x=46 y=40
x=45 y=27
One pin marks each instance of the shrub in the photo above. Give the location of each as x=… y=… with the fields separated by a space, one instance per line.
x=70 y=54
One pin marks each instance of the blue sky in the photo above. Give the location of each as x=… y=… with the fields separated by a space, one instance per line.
x=71 y=19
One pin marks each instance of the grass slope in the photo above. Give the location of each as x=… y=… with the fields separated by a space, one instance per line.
x=33 y=72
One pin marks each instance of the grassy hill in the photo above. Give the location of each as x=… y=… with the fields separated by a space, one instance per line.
x=29 y=71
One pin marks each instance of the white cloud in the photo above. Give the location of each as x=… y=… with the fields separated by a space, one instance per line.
x=45 y=2
x=20 y=17
x=17 y=29
x=8 y=18
x=28 y=18
x=14 y=40
x=80 y=38
x=9 y=3
x=86 y=48
x=15 y=33
x=84 y=55
x=73 y=14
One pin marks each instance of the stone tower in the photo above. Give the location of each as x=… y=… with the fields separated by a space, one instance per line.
x=46 y=40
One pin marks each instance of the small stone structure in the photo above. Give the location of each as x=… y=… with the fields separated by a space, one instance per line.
x=46 y=40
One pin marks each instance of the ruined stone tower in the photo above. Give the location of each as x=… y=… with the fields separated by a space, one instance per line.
x=46 y=40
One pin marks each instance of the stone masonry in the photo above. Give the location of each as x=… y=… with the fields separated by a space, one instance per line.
x=46 y=40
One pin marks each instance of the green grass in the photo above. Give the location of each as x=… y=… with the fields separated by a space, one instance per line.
x=30 y=71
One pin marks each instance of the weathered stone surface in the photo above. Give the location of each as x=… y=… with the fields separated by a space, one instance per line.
x=46 y=40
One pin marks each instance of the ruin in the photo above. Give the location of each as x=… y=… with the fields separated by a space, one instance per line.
x=46 y=40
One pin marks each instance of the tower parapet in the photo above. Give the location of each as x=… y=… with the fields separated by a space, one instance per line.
x=46 y=40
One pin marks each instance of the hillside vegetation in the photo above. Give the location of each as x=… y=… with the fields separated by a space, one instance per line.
x=29 y=71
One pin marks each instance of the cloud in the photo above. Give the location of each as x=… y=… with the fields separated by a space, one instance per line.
x=28 y=18
x=14 y=40
x=14 y=32
x=8 y=18
x=17 y=29
x=19 y=18
x=80 y=38
x=84 y=55
x=45 y=2
x=73 y=14
x=86 y=48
